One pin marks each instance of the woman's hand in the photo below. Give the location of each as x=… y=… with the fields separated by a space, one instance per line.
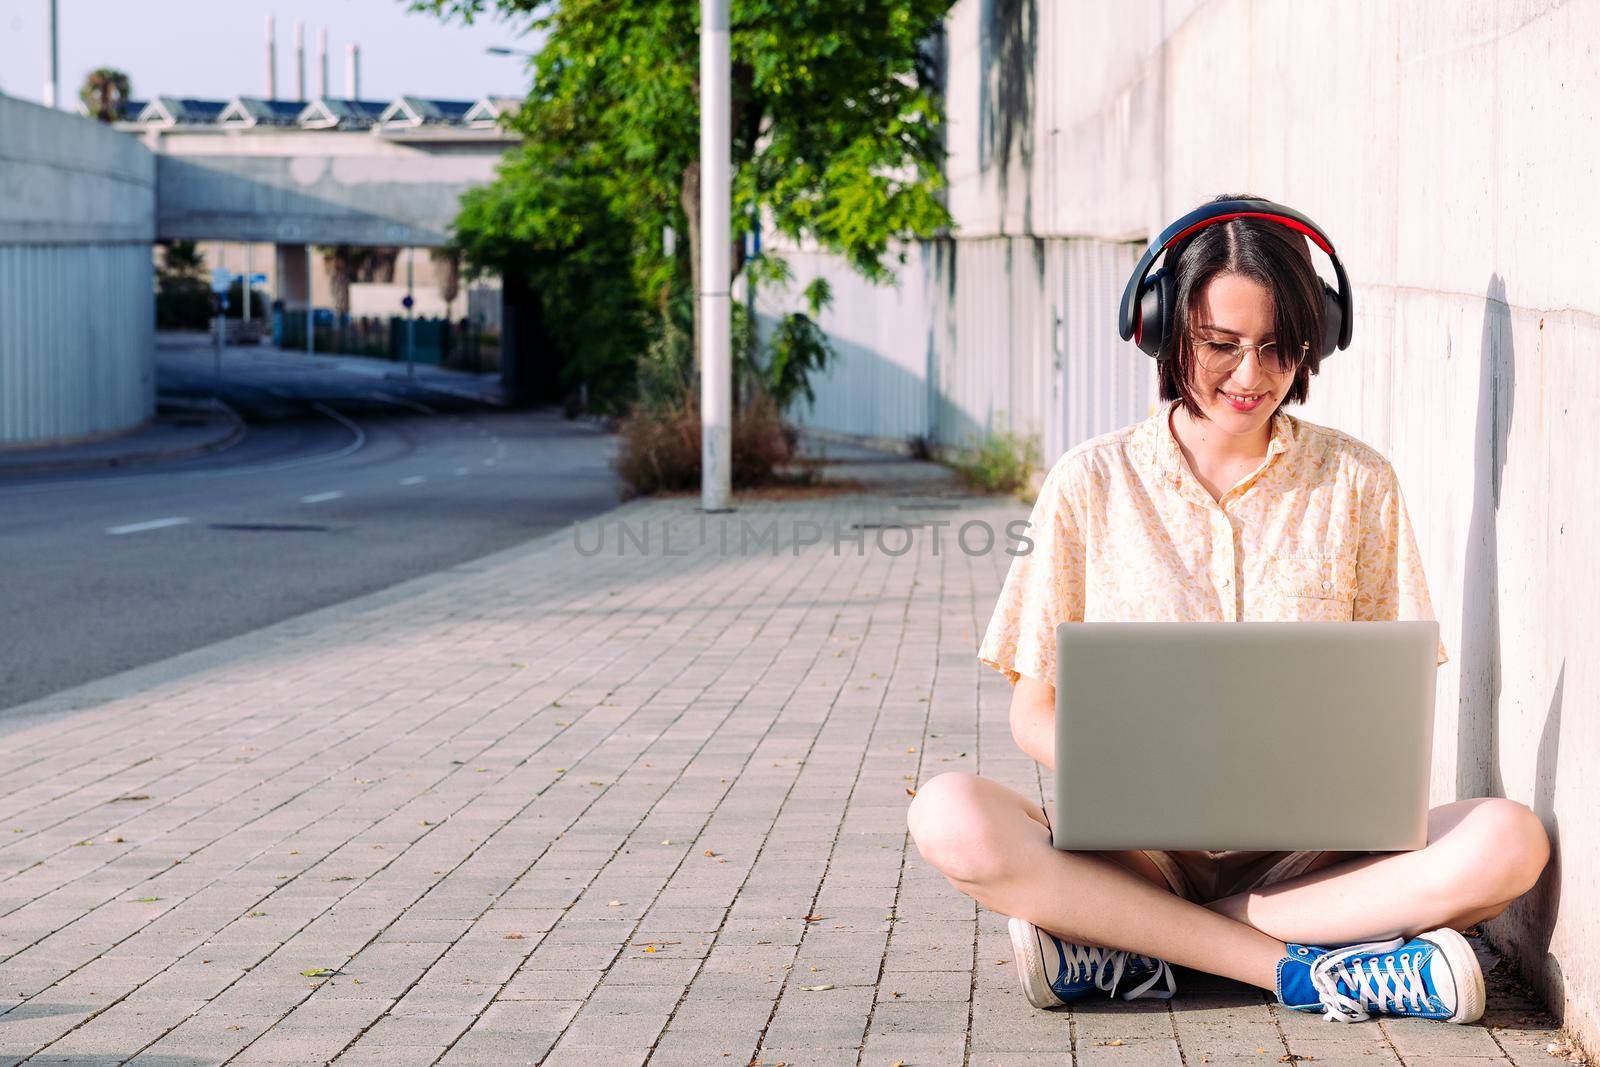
x=1033 y=719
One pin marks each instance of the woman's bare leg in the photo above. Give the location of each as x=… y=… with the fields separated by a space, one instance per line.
x=1481 y=855
x=993 y=845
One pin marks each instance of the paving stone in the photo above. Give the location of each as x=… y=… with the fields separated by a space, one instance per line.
x=602 y=1030
x=1428 y=1037
x=491 y=1048
x=829 y=1018
x=367 y=1054
x=504 y=917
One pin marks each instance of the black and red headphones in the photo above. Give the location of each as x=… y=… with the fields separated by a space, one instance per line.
x=1148 y=305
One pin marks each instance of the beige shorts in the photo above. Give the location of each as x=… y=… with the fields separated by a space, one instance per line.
x=1203 y=876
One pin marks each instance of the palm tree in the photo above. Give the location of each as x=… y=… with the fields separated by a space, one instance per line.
x=105 y=93
x=447 y=269
x=346 y=264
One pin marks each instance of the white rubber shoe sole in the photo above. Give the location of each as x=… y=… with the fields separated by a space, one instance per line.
x=1028 y=951
x=1465 y=973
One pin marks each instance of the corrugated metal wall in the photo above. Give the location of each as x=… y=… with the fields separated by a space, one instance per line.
x=77 y=309
x=76 y=341
x=980 y=335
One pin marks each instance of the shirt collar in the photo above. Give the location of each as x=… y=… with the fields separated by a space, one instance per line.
x=1154 y=443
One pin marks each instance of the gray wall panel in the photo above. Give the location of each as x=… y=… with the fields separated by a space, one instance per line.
x=77 y=313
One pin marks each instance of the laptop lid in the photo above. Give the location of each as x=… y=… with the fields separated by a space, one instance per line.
x=1244 y=735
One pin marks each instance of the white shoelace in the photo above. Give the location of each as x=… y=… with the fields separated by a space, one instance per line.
x=1107 y=966
x=1369 y=979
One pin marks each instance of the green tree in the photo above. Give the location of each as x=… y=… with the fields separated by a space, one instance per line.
x=183 y=292
x=837 y=140
x=105 y=91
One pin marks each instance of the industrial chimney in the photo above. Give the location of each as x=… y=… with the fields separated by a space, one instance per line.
x=272 y=60
x=352 y=71
x=300 y=60
x=322 y=61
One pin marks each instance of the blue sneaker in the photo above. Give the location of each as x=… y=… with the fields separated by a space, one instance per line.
x=1433 y=976
x=1054 y=971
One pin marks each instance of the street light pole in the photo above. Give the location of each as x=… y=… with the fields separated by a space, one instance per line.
x=716 y=304
x=311 y=343
x=411 y=320
x=52 y=84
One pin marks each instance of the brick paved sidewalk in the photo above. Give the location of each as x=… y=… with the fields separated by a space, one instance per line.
x=556 y=807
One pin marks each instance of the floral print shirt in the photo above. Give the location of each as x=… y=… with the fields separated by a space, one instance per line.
x=1123 y=531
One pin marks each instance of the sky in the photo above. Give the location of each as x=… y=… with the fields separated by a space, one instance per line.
x=216 y=49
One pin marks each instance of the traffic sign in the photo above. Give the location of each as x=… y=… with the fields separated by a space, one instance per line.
x=406 y=302
x=221 y=278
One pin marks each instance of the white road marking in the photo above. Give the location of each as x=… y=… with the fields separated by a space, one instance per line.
x=404 y=402
x=137 y=527
x=415 y=479
x=317 y=498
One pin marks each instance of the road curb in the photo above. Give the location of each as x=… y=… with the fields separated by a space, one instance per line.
x=235 y=433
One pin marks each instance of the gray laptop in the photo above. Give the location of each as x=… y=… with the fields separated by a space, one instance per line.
x=1243 y=735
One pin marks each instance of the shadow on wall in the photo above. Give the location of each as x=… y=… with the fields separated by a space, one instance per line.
x=224 y=198
x=1529 y=920
x=875 y=382
x=1478 y=714
x=1010 y=45
x=1535 y=911
x=879 y=396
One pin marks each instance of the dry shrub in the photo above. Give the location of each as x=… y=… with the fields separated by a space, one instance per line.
x=660 y=449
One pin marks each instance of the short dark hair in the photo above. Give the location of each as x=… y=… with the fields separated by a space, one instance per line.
x=1267 y=252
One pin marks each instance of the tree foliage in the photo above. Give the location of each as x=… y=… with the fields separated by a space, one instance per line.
x=183 y=292
x=837 y=141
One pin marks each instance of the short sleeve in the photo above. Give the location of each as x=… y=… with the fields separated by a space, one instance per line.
x=1043 y=588
x=1390 y=583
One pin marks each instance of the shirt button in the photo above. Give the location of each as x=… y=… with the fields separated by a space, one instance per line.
x=1224 y=582
x=1327 y=585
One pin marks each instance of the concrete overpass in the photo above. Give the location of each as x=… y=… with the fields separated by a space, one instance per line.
x=299 y=186
x=86 y=202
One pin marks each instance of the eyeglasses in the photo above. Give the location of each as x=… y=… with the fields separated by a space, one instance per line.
x=1220 y=357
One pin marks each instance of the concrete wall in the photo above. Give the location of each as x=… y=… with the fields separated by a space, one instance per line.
x=325 y=186
x=77 y=216
x=1451 y=150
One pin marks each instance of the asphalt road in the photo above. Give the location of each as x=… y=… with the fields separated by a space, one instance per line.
x=345 y=483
